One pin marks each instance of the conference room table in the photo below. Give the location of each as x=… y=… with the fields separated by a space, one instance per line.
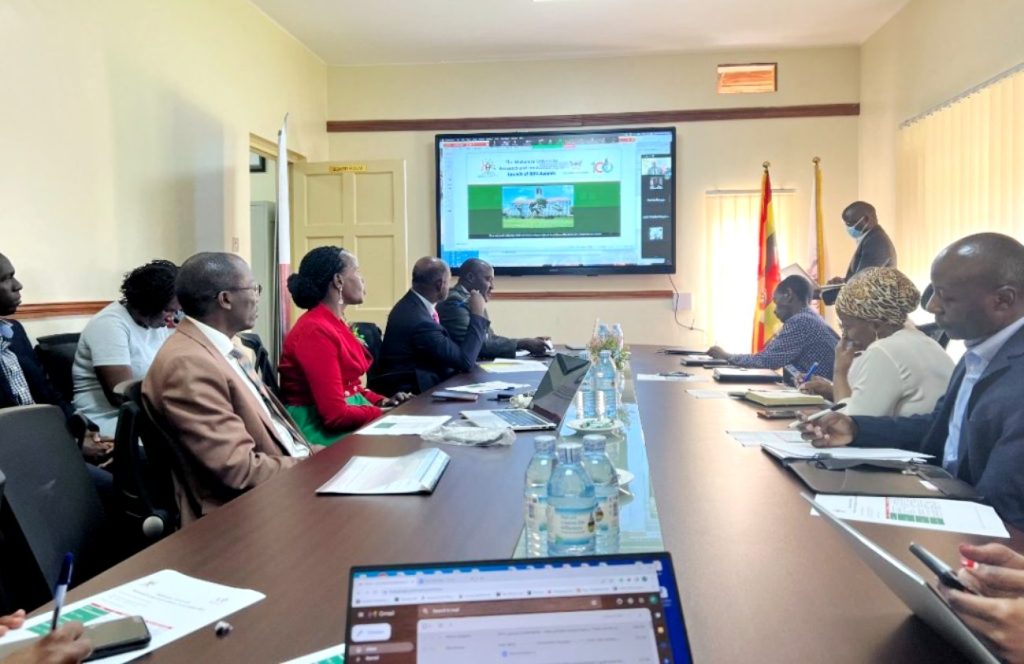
x=760 y=578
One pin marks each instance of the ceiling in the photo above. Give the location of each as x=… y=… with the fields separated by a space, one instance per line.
x=373 y=32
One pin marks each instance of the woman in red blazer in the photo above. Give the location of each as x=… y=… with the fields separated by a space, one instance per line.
x=323 y=362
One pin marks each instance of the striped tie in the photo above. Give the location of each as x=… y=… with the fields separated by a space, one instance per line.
x=273 y=405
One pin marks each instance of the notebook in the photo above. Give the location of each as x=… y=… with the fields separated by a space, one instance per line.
x=417 y=472
x=741 y=375
x=783 y=398
x=554 y=394
x=619 y=608
x=923 y=600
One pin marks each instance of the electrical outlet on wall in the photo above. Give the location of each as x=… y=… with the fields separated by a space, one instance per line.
x=682 y=301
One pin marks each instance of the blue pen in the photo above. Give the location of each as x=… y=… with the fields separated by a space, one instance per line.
x=63 y=581
x=810 y=372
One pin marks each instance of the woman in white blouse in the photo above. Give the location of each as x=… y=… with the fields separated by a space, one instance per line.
x=884 y=364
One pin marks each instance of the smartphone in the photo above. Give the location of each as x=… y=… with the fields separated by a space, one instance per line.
x=947 y=576
x=449 y=395
x=778 y=414
x=108 y=638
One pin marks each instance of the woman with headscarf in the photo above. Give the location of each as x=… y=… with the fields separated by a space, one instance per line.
x=323 y=361
x=884 y=364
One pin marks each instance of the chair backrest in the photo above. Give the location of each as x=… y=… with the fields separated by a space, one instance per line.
x=935 y=332
x=56 y=352
x=372 y=336
x=264 y=367
x=164 y=452
x=50 y=501
x=144 y=491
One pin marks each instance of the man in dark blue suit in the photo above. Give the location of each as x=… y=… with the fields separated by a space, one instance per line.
x=418 y=352
x=22 y=378
x=977 y=429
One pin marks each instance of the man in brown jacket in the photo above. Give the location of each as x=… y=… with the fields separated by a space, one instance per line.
x=234 y=434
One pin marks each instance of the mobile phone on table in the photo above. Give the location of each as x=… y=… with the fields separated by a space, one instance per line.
x=947 y=576
x=108 y=638
x=778 y=414
x=449 y=395
x=574 y=347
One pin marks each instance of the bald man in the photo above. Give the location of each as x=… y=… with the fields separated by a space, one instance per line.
x=418 y=352
x=977 y=429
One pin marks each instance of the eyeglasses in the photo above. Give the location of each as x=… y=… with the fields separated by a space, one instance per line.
x=257 y=288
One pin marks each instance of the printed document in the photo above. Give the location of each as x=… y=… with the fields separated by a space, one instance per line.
x=756 y=438
x=709 y=394
x=413 y=473
x=804 y=450
x=672 y=378
x=503 y=365
x=951 y=516
x=172 y=604
x=490 y=386
x=403 y=425
x=332 y=655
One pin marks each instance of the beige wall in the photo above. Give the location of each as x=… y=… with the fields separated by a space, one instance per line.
x=126 y=129
x=930 y=51
x=710 y=155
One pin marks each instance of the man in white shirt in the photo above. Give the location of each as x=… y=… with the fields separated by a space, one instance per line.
x=977 y=429
x=234 y=433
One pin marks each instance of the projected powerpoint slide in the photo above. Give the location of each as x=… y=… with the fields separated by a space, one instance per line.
x=579 y=209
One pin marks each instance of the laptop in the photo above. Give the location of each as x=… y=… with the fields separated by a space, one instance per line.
x=915 y=592
x=552 y=398
x=617 y=608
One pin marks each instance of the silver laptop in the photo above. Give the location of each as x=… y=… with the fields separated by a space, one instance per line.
x=552 y=399
x=921 y=598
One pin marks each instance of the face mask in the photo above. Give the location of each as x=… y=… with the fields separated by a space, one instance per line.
x=854 y=231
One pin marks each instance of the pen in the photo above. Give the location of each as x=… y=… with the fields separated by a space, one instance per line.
x=63 y=581
x=674 y=374
x=810 y=373
x=813 y=417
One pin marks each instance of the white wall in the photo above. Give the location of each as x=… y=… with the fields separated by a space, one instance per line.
x=126 y=133
x=929 y=52
x=710 y=155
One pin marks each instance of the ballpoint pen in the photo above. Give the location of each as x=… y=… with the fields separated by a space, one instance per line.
x=63 y=581
x=814 y=417
x=810 y=373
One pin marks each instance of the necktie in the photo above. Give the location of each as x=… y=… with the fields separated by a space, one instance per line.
x=433 y=314
x=276 y=412
x=11 y=367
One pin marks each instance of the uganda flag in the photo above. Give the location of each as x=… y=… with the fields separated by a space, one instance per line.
x=765 y=322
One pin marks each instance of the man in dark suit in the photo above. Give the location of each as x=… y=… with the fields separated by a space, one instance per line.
x=24 y=382
x=418 y=352
x=478 y=275
x=874 y=248
x=977 y=429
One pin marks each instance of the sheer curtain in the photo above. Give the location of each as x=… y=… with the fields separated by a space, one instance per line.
x=961 y=171
x=732 y=219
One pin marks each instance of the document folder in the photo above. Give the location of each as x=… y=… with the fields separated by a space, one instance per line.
x=859 y=477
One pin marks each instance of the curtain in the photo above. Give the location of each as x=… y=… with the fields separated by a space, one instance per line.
x=732 y=220
x=961 y=171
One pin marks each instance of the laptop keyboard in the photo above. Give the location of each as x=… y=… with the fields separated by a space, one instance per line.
x=520 y=418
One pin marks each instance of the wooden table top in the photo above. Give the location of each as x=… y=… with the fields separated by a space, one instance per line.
x=760 y=578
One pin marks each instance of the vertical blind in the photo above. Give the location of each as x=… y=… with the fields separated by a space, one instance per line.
x=732 y=223
x=961 y=171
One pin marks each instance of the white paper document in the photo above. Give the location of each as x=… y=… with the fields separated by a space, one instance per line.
x=332 y=655
x=490 y=386
x=503 y=365
x=757 y=438
x=804 y=450
x=172 y=604
x=709 y=394
x=670 y=378
x=952 y=516
x=413 y=473
x=403 y=425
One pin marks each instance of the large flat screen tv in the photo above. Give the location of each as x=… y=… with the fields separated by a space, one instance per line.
x=569 y=202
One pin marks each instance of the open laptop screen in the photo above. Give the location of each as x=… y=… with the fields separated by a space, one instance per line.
x=622 y=608
x=558 y=387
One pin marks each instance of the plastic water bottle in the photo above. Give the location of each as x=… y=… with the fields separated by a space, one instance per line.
x=605 y=386
x=606 y=489
x=586 y=398
x=538 y=473
x=620 y=337
x=571 y=505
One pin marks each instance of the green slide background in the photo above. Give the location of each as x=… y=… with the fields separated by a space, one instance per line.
x=596 y=210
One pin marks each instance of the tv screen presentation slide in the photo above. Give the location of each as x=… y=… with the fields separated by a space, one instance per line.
x=589 y=202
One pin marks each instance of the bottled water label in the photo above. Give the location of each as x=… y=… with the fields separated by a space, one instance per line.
x=607 y=514
x=571 y=527
x=537 y=515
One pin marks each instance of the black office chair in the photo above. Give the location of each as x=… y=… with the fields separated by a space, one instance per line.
x=371 y=335
x=932 y=329
x=144 y=493
x=56 y=352
x=264 y=367
x=165 y=457
x=51 y=506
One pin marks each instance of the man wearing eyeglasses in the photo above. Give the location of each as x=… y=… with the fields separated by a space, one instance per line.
x=204 y=390
x=874 y=248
